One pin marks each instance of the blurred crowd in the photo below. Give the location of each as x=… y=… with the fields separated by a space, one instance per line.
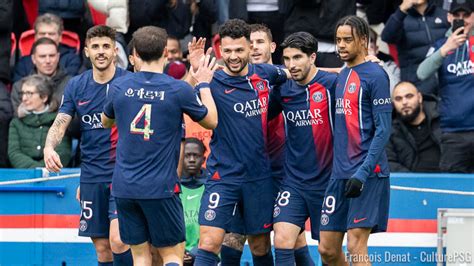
x=427 y=47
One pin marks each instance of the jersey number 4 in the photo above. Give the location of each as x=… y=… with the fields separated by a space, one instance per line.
x=146 y=130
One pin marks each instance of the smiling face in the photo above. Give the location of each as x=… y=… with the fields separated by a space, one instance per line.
x=46 y=59
x=101 y=51
x=31 y=99
x=236 y=54
x=298 y=63
x=261 y=48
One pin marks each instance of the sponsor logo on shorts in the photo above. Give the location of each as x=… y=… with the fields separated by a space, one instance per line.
x=82 y=225
x=210 y=215
x=266 y=226
x=276 y=211
x=324 y=219
x=356 y=221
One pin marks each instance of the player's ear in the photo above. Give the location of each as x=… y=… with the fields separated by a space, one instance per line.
x=312 y=57
x=165 y=52
x=273 y=47
x=86 y=51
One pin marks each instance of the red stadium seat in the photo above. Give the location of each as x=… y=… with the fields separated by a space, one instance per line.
x=13 y=48
x=27 y=39
x=98 y=18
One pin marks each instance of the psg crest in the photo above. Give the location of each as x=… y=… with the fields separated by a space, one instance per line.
x=317 y=96
x=352 y=87
x=260 y=85
x=210 y=215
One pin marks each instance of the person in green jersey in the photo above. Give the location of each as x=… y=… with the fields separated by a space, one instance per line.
x=192 y=180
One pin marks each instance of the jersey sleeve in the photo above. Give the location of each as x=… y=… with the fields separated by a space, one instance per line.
x=274 y=107
x=67 y=102
x=109 y=101
x=379 y=90
x=276 y=74
x=191 y=104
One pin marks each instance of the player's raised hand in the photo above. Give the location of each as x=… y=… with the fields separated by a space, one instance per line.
x=206 y=69
x=196 y=51
x=52 y=160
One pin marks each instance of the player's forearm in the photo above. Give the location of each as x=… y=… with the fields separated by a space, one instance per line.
x=107 y=122
x=57 y=130
x=383 y=123
x=210 y=120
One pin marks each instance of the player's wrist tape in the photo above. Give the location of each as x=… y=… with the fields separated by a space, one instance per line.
x=202 y=85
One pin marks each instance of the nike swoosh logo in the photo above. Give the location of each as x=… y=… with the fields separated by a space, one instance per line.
x=267 y=226
x=356 y=221
x=285 y=100
x=229 y=91
x=80 y=103
x=192 y=197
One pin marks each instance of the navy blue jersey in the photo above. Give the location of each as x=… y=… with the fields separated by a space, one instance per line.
x=148 y=110
x=307 y=110
x=361 y=92
x=456 y=88
x=238 y=145
x=86 y=98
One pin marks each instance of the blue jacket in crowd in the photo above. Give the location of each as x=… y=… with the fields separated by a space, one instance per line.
x=414 y=34
x=69 y=61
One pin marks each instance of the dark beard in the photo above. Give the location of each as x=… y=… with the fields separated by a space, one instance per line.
x=411 y=117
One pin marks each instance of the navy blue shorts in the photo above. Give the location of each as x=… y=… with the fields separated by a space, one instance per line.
x=158 y=221
x=295 y=206
x=222 y=201
x=97 y=210
x=369 y=210
x=237 y=224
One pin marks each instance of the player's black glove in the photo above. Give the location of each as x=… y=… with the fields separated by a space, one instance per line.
x=353 y=188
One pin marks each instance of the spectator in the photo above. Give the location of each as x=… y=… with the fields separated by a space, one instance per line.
x=6 y=18
x=70 y=11
x=6 y=114
x=174 y=49
x=413 y=28
x=452 y=60
x=301 y=16
x=389 y=65
x=415 y=138
x=27 y=135
x=192 y=180
x=45 y=57
x=265 y=12
x=49 y=26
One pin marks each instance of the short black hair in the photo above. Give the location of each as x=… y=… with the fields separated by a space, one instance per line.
x=303 y=41
x=100 y=31
x=357 y=24
x=41 y=41
x=235 y=29
x=150 y=42
x=263 y=28
x=197 y=142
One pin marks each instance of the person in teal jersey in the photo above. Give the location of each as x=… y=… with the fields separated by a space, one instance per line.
x=192 y=180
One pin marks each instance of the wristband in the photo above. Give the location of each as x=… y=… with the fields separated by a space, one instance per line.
x=202 y=85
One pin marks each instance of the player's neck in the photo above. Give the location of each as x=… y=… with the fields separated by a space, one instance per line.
x=243 y=72
x=359 y=59
x=103 y=76
x=155 y=66
x=311 y=74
